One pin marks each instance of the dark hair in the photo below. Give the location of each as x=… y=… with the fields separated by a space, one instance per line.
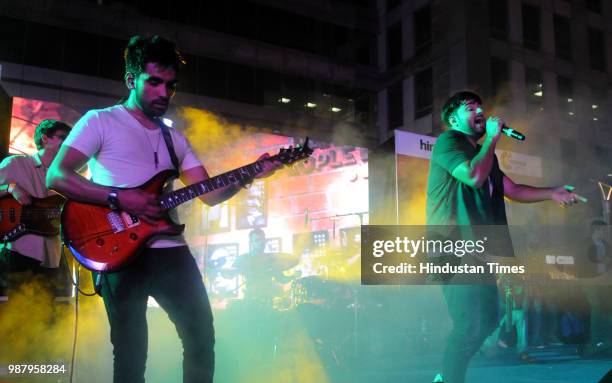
x=48 y=128
x=455 y=101
x=257 y=231
x=142 y=50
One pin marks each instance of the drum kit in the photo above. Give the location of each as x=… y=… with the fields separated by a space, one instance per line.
x=276 y=289
x=315 y=289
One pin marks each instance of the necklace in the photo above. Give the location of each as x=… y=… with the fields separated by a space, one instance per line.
x=155 y=150
x=142 y=124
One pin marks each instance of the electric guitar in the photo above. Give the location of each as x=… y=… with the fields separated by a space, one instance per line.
x=105 y=240
x=41 y=217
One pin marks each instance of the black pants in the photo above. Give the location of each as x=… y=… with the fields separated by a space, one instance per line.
x=474 y=311
x=170 y=276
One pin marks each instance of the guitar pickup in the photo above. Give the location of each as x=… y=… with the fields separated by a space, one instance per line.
x=121 y=221
x=130 y=219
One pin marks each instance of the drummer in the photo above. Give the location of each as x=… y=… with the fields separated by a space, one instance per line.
x=263 y=272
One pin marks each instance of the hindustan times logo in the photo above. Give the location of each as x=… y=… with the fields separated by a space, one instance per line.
x=411 y=247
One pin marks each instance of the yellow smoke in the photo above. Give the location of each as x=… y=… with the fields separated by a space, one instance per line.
x=35 y=328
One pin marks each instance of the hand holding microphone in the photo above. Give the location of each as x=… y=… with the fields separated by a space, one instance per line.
x=492 y=129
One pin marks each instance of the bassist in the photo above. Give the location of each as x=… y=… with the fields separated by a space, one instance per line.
x=23 y=177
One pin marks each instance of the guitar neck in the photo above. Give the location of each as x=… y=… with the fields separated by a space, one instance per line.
x=245 y=173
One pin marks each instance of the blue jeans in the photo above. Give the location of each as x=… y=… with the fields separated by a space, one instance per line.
x=172 y=277
x=474 y=311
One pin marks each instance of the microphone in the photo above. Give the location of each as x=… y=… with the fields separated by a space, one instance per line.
x=508 y=131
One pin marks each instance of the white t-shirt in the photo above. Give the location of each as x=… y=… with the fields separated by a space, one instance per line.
x=121 y=153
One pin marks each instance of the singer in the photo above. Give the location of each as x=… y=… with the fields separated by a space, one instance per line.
x=467 y=187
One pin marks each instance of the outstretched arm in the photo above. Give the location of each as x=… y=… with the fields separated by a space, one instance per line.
x=526 y=193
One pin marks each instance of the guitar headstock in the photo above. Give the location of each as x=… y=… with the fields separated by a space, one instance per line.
x=294 y=153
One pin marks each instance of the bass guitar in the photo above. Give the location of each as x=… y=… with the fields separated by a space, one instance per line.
x=41 y=217
x=105 y=240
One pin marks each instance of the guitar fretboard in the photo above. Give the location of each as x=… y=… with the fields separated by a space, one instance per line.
x=245 y=173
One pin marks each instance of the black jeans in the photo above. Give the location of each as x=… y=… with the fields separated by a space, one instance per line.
x=172 y=277
x=474 y=310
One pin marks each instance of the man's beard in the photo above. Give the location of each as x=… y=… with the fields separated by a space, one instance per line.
x=154 y=111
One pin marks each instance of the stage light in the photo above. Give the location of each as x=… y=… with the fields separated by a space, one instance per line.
x=335 y=109
x=595 y=119
x=284 y=100
x=594 y=106
x=168 y=122
x=571 y=113
x=570 y=100
x=539 y=93
x=310 y=105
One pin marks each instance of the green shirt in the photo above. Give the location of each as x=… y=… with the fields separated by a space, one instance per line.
x=451 y=202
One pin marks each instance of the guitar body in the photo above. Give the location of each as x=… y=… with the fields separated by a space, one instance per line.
x=106 y=240
x=41 y=217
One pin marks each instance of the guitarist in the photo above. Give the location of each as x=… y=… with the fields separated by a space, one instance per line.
x=126 y=147
x=23 y=177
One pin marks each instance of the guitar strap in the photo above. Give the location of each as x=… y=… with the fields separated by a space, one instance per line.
x=170 y=145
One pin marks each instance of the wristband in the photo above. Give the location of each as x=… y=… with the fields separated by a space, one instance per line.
x=113 y=199
x=10 y=187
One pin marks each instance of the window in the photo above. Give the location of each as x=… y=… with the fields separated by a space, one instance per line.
x=212 y=78
x=44 y=44
x=563 y=37
x=241 y=83
x=535 y=90
x=111 y=58
x=422 y=29
x=12 y=39
x=81 y=53
x=598 y=105
x=394 y=45
x=363 y=105
x=392 y=4
x=597 y=49
x=268 y=87
x=500 y=76
x=188 y=76
x=423 y=93
x=593 y=5
x=531 y=26
x=565 y=95
x=395 y=105
x=498 y=19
